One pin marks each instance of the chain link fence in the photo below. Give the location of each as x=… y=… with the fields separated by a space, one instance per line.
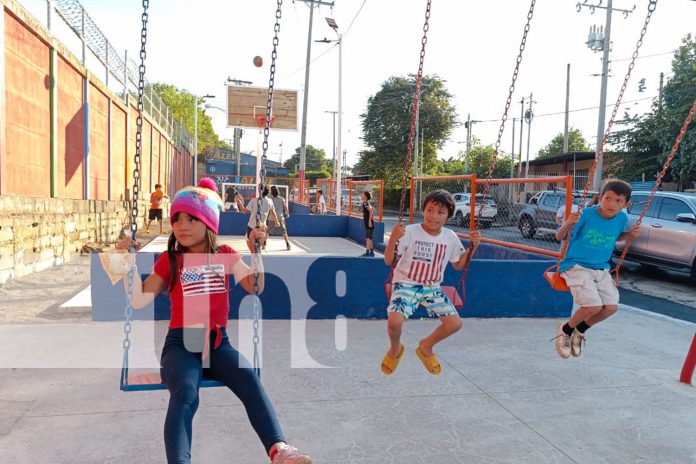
x=458 y=186
x=516 y=213
x=523 y=212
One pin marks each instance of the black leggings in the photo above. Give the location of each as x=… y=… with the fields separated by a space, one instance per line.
x=182 y=371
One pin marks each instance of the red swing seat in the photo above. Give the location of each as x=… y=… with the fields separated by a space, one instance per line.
x=555 y=279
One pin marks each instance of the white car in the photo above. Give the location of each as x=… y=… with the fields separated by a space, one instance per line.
x=462 y=209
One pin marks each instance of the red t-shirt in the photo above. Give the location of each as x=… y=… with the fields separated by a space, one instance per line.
x=201 y=292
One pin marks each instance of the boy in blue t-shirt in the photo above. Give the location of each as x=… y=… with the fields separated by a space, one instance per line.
x=585 y=267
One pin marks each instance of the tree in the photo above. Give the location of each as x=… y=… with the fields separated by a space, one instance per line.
x=315 y=160
x=180 y=103
x=386 y=124
x=648 y=139
x=480 y=158
x=576 y=142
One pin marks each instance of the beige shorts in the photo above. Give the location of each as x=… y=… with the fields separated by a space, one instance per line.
x=591 y=287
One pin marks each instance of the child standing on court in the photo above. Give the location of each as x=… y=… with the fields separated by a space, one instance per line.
x=266 y=211
x=280 y=206
x=195 y=271
x=424 y=250
x=156 y=208
x=368 y=220
x=585 y=267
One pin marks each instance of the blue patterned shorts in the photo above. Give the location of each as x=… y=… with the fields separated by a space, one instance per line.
x=405 y=299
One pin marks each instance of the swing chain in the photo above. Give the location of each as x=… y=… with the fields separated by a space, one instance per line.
x=658 y=181
x=600 y=148
x=416 y=100
x=508 y=103
x=600 y=151
x=262 y=175
x=128 y=311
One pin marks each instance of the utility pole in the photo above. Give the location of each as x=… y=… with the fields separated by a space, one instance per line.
x=345 y=166
x=528 y=116
x=305 y=100
x=333 y=159
x=512 y=151
x=196 y=100
x=567 y=111
x=519 y=163
x=238 y=136
x=468 y=141
x=600 y=40
x=281 y=153
x=659 y=95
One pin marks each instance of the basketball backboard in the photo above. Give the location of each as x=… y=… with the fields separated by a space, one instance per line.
x=245 y=103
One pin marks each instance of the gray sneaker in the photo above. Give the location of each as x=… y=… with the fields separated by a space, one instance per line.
x=576 y=342
x=562 y=342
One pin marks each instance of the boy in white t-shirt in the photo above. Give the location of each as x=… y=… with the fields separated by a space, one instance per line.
x=266 y=211
x=424 y=250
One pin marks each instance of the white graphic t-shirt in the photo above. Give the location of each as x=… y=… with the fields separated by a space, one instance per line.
x=424 y=257
x=266 y=207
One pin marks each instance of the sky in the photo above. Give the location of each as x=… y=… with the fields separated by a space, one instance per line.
x=471 y=45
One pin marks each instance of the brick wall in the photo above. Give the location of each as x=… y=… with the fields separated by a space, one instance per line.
x=37 y=233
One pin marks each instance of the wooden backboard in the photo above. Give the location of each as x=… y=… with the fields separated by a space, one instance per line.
x=243 y=103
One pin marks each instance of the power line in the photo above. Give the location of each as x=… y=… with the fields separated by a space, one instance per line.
x=354 y=18
x=302 y=68
x=575 y=110
x=646 y=56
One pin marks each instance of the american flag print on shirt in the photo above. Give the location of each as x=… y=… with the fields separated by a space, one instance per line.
x=428 y=262
x=203 y=280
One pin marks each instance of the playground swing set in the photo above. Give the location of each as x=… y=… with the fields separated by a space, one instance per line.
x=456 y=294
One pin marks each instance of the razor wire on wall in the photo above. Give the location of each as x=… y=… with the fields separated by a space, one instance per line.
x=115 y=66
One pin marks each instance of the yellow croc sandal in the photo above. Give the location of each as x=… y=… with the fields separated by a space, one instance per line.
x=390 y=364
x=431 y=363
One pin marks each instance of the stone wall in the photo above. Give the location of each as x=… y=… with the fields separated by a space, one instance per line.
x=38 y=233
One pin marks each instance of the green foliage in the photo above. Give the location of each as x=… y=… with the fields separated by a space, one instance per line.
x=453 y=166
x=315 y=160
x=313 y=175
x=480 y=158
x=386 y=124
x=181 y=106
x=576 y=142
x=648 y=139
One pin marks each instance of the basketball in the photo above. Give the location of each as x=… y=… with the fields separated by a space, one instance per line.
x=258 y=61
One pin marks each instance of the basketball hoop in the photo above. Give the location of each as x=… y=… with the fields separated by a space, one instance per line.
x=261 y=121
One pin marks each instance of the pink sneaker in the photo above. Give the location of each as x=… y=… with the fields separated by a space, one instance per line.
x=289 y=455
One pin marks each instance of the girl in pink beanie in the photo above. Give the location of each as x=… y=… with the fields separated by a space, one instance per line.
x=195 y=271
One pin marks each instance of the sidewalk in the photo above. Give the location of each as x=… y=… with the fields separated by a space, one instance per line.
x=504 y=396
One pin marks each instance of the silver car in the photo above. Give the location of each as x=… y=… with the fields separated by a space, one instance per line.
x=668 y=231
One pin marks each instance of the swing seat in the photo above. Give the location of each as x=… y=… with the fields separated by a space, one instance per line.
x=152 y=381
x=451 y=293
x=556 y=280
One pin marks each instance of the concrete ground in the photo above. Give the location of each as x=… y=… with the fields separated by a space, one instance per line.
x=504 y=396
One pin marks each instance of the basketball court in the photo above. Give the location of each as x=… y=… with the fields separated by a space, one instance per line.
x=275 y=246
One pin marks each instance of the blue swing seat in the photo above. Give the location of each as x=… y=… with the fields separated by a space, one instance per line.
x=153 y=381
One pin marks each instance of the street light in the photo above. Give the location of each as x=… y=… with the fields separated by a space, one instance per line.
x=332 y=24
x=195 y=134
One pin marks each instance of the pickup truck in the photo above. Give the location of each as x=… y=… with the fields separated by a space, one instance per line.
x=462 y=210
x=539 y=215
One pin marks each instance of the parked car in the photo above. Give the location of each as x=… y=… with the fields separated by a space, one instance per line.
x=462 y=210
x=539 y=215
x=668 y=231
